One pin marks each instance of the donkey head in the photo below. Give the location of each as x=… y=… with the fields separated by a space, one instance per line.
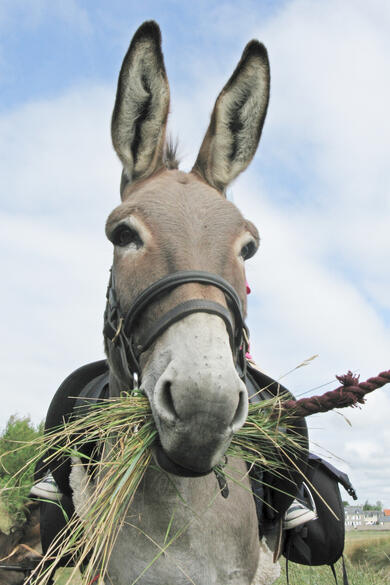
x=171 y=221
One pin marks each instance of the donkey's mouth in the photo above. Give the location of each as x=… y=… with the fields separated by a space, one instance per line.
x=169 y=465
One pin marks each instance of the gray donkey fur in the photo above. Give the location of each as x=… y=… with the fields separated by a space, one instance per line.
x=169 y=221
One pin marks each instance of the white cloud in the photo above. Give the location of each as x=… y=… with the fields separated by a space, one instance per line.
x=62 y=180
x=321 y=279
x=53 y=306
x=331 y=89
x=57 y=157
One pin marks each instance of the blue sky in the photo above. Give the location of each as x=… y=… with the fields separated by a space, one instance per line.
x=318 y=190
x=54 y=46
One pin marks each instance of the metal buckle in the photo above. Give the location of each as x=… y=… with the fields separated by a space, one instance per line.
x=118 y=330
x=245 y=337
x=136 y=391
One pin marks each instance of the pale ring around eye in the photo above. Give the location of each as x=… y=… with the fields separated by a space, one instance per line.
x=123 y=235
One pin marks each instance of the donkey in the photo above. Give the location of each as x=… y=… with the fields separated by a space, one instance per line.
x=174 y=225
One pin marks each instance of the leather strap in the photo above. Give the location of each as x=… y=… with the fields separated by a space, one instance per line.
x=179 y=312
x=173 y=280
x=119 y=328
x=345 y=576
x=167 y=283
x=334 y=573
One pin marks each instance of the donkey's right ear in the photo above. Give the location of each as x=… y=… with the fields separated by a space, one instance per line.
x=141 y=107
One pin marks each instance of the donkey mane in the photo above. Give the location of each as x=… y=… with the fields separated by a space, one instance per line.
x=170 y=158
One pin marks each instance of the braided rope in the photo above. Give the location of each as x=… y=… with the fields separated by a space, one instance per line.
x=350 y=393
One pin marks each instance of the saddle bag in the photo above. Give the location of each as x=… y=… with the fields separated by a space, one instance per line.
x=274 y=492
x=321 y=541
x=82 y=387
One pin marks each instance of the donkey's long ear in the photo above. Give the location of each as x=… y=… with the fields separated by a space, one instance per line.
x=141 y=107
x=237 y=120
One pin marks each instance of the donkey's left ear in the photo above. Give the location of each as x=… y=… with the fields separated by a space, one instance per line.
x=141 y=108
x=237 y=120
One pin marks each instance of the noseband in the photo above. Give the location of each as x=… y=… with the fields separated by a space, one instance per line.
x=119 y=327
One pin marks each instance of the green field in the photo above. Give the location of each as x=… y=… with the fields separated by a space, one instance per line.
x=367 y=559
x=368 y=563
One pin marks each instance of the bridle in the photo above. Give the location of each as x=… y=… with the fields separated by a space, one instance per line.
x=119 y=328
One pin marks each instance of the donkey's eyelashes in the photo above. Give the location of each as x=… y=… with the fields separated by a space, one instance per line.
x=123 y=235
x=249 y=250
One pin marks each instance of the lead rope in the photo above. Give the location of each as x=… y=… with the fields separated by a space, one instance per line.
x=350 y=393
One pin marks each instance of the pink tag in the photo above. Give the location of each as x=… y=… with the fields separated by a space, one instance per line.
x=248 y=291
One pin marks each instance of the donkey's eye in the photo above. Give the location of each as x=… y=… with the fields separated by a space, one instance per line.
x=123 y=235
x=248 y=250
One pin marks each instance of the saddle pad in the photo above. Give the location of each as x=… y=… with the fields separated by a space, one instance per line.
x=79 y=384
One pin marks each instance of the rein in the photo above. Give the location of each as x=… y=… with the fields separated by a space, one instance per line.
x=119 y=328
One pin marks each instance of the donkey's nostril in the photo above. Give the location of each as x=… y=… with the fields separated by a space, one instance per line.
x=241 y=411
x=164 y=401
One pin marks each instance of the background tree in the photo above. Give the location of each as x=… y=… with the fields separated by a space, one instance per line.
x=17 y=448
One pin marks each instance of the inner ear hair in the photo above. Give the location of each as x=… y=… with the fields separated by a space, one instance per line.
x=237 y=120
x=141 y=107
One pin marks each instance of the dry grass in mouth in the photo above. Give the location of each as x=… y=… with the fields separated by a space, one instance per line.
x=123 y=432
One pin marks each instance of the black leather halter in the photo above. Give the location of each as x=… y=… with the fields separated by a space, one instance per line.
x=119 y=328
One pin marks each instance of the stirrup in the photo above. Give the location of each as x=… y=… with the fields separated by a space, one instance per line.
x=46 y=489
x=298 y=514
